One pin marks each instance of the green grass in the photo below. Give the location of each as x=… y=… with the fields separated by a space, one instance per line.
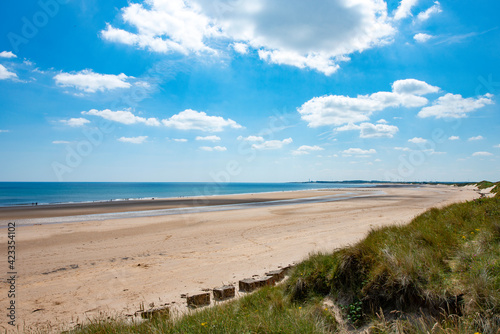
x=484 y=184
x=265 y=311
x=438 y=274
x=445 y=262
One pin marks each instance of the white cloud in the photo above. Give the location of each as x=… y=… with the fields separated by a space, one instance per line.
x=404 y=9
x=6 y=74
x=60 y=142
x=75 y=122
x=240 y=48
x=4 y=131
x=272 y=144
x=251 y=138
x=122 y=116
x=368 y=130
x=194 y=120
x=340 y=109
x=404 y=149
x=180 y=140
x=306 y=149
x=358 y=151
x=413 y=87
x=320 y=63
x=377 y=130
x=164 y=26
x=431 y=151
x=497 y=146
x=454 y=138
x=454 y=106
x=133 y=140
x=417 y=140
x=208 y=138
x=382 y=121
x=425 y=15
x=215 y=148
x=422 y=38
x=307 y=35
x=475 y=138
x=7 y=54
x=481 y=154
x=91 y=82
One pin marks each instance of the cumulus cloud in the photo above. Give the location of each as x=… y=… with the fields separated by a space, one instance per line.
x=164 y=26
x=133 y=140
x=358 y=151
x=4 y=131
x=60 y=142
x=180 y=140
x=497 y=146
x=272 y=144
x=6 y=74
x=422 y=38
x=314 y=34
x=413 y=87
x=404 y=149
x=194 y=120
x=316 y=62
x=215 y=148
x=455 y=106
x=425 y=15
x=251 y=138
x=476 y=138
x=75 y=122
x=368 y=130
x=404 y=9
x=240 y=48
x=7 y=54
x=481 y=154
x=91 y=82
x=306 y=149
x=454 y=138
x=122 y=116
x=208 y=138
x=340 y=109
x=417 y=140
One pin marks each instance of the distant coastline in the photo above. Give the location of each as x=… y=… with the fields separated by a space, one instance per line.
x=26 y=194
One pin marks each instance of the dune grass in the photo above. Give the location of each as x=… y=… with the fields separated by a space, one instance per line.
x=438 y=274
x=265 y=311
x=445 y=262
x=485 y=184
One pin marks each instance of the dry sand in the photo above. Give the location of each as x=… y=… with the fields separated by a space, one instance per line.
x=71 y=272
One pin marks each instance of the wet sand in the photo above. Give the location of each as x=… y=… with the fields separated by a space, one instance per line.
x=71 y=272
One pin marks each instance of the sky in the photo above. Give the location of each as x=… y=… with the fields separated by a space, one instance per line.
x=249 y=90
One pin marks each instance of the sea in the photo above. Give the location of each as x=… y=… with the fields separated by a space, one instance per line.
x=40 y=193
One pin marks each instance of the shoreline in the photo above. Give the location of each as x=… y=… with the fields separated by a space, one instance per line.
x=149 y=204
x=72 y=272
x=345 y=185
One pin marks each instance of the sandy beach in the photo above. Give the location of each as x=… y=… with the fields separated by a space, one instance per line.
x=71 y=272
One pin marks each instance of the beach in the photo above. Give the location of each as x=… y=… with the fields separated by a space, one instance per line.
x=75 y=271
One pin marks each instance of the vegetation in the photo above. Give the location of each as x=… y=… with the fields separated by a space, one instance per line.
x=265 y=311
x=485 y=184
x=443 y=268
x=438 y=274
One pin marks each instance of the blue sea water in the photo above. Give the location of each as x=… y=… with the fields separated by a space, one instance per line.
x=26 y=193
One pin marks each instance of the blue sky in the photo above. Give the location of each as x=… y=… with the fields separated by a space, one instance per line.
x=249 y=90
